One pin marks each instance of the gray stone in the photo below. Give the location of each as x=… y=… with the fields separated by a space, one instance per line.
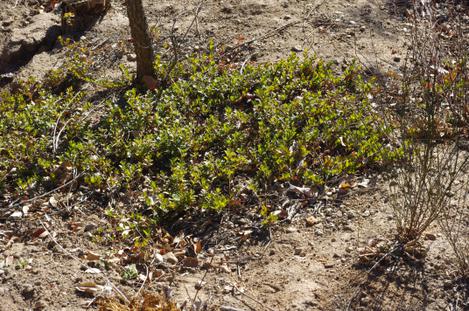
x=159 y=258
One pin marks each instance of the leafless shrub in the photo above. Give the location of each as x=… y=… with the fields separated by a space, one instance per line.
x=454 y=224
x=431 y=93
x=425 y=185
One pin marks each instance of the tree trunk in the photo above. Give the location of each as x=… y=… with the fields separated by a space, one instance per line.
x=141 y=39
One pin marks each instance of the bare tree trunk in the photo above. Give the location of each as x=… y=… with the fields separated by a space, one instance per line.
x=141 y=39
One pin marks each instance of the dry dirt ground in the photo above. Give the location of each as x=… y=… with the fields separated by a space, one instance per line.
x=371 y=31
x=297 y=264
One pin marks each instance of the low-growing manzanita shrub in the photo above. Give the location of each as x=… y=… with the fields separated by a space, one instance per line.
x=189 y=144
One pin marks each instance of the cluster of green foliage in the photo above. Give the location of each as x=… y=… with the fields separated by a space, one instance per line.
x=191 y=143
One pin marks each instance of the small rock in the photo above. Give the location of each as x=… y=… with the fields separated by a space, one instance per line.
x=329 y=265
x=299 y=251
x=93 y=271
x=362 y=28
x=311 y=221
x=132 y=57
x=53 y=202
x=291 y=229
x=40 y=305
x=3 y=291
x=170 y=258
x=159 y=258
x=16 y=214
x=297 y=49
x=318 y=232
x=366 y=213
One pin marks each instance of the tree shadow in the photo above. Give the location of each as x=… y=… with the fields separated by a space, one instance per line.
x=11 y=62
x=235 y=226
x=80 y=17
x=396 y=284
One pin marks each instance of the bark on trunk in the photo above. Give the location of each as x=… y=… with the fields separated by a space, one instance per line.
x=141 y=39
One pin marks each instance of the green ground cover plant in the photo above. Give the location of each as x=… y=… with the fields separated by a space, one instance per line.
x=210 y=133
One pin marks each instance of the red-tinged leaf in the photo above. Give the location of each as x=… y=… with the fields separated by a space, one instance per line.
x=150 y=82
x=91 y=256
x=197 y=247
x=191 y=262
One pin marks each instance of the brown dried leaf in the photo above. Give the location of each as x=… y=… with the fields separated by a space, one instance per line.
x=197 y=247
x=89 y=255
x=191 y=262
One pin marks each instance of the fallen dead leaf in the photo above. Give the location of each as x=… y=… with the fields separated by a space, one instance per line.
x=345 y=185
x=191 y=262
x=39 y=233
x=90 y=288
x=197 y=247
x=89 y=255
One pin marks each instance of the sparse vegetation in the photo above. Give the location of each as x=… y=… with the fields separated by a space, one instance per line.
x=430 y=98
x=423 y=189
